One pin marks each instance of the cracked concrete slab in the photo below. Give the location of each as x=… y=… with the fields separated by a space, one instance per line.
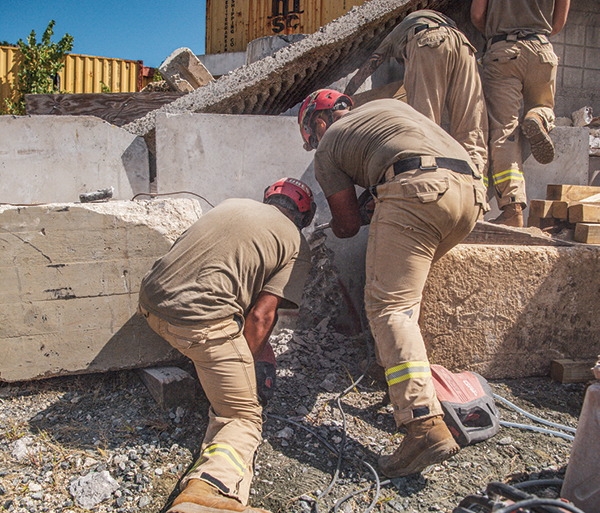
x=274 y=84
x=71 y=275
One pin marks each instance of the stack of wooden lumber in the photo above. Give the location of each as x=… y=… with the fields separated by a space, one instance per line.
x=573 y=206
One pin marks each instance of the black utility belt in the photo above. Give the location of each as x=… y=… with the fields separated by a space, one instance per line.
x=505 y=37
x=420 y=28
x=459 y=166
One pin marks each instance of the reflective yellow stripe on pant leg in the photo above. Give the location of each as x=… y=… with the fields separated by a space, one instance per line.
x=408 y=370
x=225 y=451
x=510 y=174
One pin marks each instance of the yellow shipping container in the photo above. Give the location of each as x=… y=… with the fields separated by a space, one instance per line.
x=231 y=24
x=80 y=74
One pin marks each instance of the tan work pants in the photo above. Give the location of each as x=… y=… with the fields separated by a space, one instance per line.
x=225 y=367
x=441 y=70
x=419 y=216
x=515 y=71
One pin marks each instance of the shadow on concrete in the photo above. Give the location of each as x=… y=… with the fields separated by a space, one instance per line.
x=138 y=166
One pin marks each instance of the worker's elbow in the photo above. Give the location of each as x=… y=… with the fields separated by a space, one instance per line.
x=345 y=231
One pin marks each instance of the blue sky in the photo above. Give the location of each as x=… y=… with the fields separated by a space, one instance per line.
x=146 y=30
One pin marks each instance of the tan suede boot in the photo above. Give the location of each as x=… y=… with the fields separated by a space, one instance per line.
x=512 y=215
x=201 y=497
x=542 y=147
x=428 y=441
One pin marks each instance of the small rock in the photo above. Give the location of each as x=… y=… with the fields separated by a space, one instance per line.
x=505 y=441
x=93 y=488
x=20 y=449
x=287 y=433
x=144 y=501
x=35 y=487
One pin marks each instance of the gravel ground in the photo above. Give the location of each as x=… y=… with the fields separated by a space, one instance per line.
x=99 y=442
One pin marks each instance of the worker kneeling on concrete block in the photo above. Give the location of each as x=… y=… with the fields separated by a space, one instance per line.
x=427 y=195
x=214 y=296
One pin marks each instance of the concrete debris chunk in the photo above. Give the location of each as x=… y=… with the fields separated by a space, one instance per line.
x=169 y=386
x=21 y=449
x=184 y=72
x=582 y=117
x=92 y=489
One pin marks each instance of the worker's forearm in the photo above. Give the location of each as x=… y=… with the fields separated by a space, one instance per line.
x=364 y=72
x=344 y=231
x=257 y=331
x=559 y=17
x=478 y=14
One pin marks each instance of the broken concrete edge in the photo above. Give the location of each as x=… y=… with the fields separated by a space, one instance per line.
x=137 y=212
x=263 y=87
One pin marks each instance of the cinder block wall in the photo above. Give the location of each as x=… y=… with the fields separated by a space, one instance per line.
x=578 y=47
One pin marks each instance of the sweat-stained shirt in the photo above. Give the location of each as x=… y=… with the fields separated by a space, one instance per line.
x=521 y=17
x=359 y=147
x=218 y=267
x=394 y=45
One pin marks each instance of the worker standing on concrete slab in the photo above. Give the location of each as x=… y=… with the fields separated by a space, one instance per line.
x=214 y=297
x=428 y=196
x=519 y=66
x=440 y=71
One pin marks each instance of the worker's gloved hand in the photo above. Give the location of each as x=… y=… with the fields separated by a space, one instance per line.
x=264 y=367
x=366 y=207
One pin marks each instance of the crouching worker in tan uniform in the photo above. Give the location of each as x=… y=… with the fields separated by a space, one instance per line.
x=214 y=296
x=519 y=66
x=440 y=71
x=428 y=196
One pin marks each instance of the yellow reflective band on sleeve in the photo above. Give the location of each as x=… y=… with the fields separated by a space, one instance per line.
x=486 y=181
x=510 y=174
x=227 y=452
x=406 y=371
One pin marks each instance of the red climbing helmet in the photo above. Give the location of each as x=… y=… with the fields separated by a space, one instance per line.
x=300 y=195
x=322 y=99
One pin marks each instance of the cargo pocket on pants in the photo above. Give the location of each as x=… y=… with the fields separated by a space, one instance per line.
x=432 y=37
x=425 y=187
x=184 y=338
x=548 y=57
x=501 y=55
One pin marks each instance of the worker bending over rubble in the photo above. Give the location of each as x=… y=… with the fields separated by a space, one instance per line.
x=519 y=65
x=428 y=196
x=440 y=71
x=214 y=297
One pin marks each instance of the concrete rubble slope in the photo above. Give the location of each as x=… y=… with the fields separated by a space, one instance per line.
x=275 y=84
x=70 y=278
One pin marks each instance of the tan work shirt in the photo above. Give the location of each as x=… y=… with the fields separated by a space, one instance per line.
x=219 y=266
x=359 y=147
x=520 y=17
x=394 y=45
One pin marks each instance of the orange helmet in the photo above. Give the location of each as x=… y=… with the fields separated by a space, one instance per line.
x=295 y=196
x=322 y=99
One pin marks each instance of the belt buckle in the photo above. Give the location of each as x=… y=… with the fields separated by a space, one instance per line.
x=428 y=164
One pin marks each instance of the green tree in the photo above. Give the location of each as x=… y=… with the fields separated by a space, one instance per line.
x=39 y=66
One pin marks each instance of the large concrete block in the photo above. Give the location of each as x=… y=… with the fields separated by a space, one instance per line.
x=222 y=156
x=70 y=277
x=507 y=311
x=53 y=159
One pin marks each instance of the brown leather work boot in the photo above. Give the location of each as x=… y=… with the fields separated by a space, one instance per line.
x=428 y=441
x=512 y=215
x=201 y=497
x=535 y=130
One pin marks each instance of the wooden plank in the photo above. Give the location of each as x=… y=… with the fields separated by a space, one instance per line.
x=541 y=222
x=489 y=233
x=587 y=232
x=562 y=192
x=572 y=371
x=584 y=213
x=540 y=208
x=116 y=108
x=560 y=209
